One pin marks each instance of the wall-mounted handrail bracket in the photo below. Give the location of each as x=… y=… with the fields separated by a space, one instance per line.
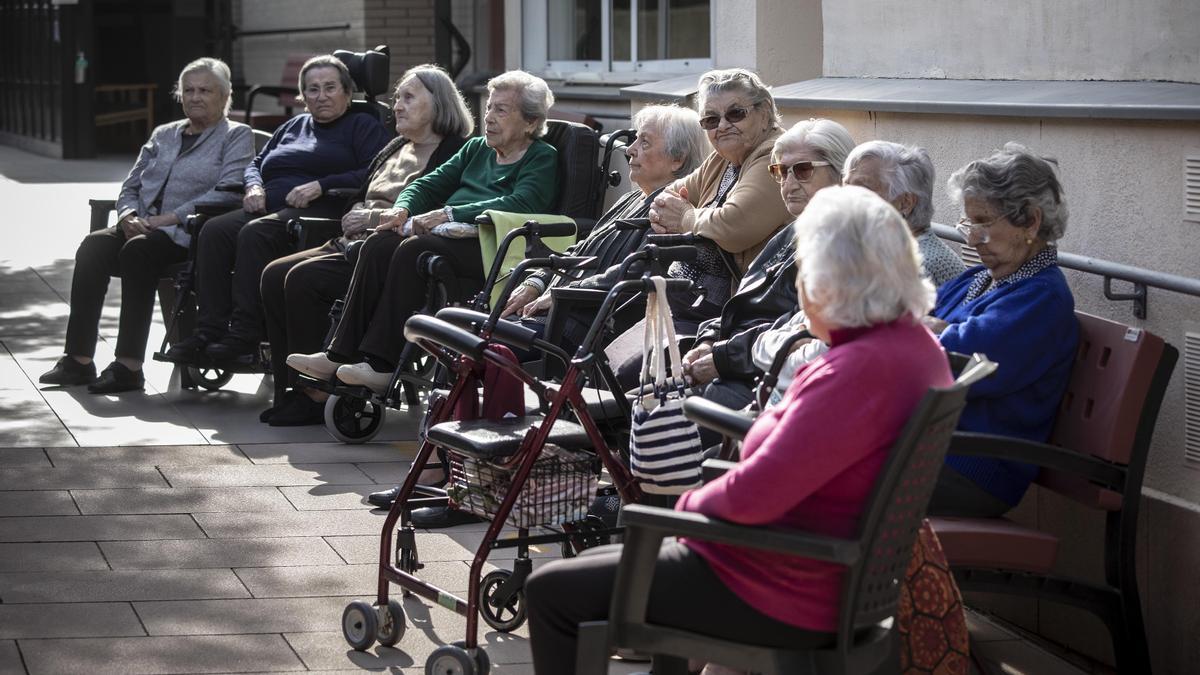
x=1138 y=296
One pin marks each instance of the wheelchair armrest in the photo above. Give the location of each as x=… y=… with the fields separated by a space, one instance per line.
x=697 y=526
x=724 y=421
x=508 y=332
x=342 y=193
x=100 y=210
x=713 y=469
x=420 y=327
x=310 y=232
x=1046 y=456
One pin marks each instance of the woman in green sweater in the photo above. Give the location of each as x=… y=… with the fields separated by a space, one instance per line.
x=508 y=169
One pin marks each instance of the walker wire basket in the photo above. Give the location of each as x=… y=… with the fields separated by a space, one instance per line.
x=560 y=487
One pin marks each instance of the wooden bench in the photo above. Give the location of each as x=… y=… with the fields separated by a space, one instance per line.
x=1096 y=456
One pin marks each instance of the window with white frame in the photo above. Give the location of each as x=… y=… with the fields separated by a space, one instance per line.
x=617 y=36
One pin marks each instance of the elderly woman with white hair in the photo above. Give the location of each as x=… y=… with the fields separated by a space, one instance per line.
x=904 y=176
x=1018 y=309
x=809 y=464
x=179 y=166
x=806 y=159
x=509 y=168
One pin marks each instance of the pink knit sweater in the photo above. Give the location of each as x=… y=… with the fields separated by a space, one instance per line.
x=811 y=462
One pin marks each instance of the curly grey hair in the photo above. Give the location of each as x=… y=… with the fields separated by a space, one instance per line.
x=857 y=259
x=741 y=81
x=904 y=170
x=215 y=67
x=1015 y=182
x=680 y=128
x=533 y=92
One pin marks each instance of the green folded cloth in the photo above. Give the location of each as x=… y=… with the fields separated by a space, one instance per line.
x=503 y=222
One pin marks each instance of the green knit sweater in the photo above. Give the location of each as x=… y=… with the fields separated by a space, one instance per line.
x=472 y=182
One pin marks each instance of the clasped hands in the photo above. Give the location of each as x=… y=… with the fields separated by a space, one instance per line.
x=667 y=212
x=394 y=219
x=133 y=225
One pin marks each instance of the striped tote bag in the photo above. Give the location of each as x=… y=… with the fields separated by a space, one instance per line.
x=664 y=446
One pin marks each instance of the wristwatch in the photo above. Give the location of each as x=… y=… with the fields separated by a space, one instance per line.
x=449 y=211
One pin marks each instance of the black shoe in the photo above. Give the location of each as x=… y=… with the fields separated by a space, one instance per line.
x=232 y=349
x=116 y=378
x=298 y=411
x=437 y=517
x=384 y=498
x=68 y=371
x=265 y=416
x=188 y=350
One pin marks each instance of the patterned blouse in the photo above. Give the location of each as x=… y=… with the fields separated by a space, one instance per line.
x=982 y=282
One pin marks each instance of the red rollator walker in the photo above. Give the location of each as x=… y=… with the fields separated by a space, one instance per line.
x=540 y=470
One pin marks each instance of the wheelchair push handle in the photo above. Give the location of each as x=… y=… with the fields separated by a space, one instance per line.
x=670 y=254
x=687 y=239
x=573 y=262
x=566 y=229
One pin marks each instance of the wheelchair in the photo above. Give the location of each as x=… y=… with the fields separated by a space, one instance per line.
x=355 y=414
x=370 y=72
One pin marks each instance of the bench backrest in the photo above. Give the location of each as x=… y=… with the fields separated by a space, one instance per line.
x=1115 y=383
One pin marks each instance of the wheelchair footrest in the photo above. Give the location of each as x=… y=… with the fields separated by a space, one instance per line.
x=487 y=439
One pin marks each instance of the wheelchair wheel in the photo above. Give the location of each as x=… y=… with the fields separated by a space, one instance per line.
x=352 y=420
x=511 y=614
x=209 y=378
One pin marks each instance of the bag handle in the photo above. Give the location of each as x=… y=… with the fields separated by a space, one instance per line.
x=651 y=346
x=667 y=326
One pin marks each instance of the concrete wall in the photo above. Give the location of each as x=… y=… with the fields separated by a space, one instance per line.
x=781 y=40
x=1021 y=40
x=1124 y=186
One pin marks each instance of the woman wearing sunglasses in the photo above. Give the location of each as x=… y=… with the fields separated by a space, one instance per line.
x=730 y=199
x=1017 y=309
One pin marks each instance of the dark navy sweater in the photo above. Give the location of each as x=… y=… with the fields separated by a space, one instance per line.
x=302 y=150
x=1029 y=329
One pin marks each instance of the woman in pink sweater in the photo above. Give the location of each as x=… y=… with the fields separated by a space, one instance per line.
x=807 y=464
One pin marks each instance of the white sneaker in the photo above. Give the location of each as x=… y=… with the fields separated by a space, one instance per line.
x=314 y=365
x=364 y=375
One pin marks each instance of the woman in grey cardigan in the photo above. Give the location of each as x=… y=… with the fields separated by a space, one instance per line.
x=180 y=166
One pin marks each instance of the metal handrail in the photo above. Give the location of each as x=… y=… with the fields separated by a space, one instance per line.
x=1139 y=277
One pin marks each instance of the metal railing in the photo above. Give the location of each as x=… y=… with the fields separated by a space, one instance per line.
x=1142 y=279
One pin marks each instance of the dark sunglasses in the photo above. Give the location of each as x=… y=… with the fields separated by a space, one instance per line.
x=801 y=171
x=733 y=116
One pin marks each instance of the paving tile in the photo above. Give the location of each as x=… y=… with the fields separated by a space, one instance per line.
x=137 y=418
x=330 y=497
x=317 y=453
x=37 y=503
x=61 y=620
x=27 y=420
x=434 y=547
x=328 y=651
x=207 y=553
x=10 y=659
x=267 y=475
x=256 y=615
x=66 y=478
x=161 y=655
x=51 y=557
x=342 y=580
x=23 y=457
x=108 y=585
x=149 y=455
x=181 y=500
x=98 y=528
x=289 y=524
x=386 y=473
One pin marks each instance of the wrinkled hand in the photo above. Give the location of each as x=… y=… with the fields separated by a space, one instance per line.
x=255 y=200
x=132 y=226
x=355 y=221
x=934 y=324
x=303 y=195
x=424 y=223
x=539 y=306
x=164 y=220
x=699 y=365
x=519 y=298
x=666 y=215
x=392 y=219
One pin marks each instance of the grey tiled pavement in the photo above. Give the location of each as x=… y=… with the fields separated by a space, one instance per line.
x=170 y=531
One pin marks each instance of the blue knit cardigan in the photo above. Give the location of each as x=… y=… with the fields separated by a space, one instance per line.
x=1027 y=327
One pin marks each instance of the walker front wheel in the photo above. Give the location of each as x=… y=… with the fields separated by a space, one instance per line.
x=359 y=625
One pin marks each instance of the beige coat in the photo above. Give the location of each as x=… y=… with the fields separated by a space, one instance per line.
x=753 y=209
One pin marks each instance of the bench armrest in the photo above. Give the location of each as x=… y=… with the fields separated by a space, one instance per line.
x=1096 y=470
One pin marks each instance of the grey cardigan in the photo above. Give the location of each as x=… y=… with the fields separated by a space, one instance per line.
x=218 y=157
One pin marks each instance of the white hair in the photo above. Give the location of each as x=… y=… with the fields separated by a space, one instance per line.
x=217 y=68
x=903 y=170
x=739 y=81
x=533 y=93
x=830 y=139
x=680 y=128
x=857 y=259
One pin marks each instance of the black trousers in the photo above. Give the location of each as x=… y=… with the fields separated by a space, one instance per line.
x=297 y=292
x=139 y=262
x=685 y=594
x=387 y=288
x=234 y=248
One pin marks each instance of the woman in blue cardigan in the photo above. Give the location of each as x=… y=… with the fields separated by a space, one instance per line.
x=1017 y=309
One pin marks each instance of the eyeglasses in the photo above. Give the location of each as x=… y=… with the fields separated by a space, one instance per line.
x=733 y=116
x=975 y=232
x=801 y=171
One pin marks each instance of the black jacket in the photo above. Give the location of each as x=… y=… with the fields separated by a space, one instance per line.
x=766 y=293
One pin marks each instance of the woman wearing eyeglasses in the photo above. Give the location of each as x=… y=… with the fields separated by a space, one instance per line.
x=1017 y=309
x=730 y=199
